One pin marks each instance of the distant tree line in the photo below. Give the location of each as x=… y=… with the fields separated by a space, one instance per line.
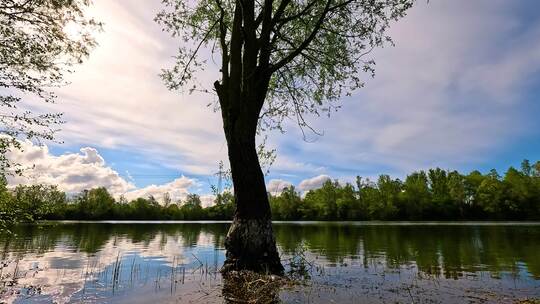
x=434 y=194
x=26 y=203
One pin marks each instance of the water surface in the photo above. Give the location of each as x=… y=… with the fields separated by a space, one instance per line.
x=358 y=262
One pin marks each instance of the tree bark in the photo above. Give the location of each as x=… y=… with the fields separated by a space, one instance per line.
x=250 y=242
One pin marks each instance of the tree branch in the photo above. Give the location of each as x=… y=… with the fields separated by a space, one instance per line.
x=306 y=42
x=194 y=54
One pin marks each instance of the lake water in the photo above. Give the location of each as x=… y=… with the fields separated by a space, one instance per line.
x=359 y=262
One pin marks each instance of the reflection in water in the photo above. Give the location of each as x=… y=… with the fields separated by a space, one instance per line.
x=117 y=263
x=449 y=250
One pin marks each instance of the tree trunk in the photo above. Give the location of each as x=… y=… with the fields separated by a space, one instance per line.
x=250 y=242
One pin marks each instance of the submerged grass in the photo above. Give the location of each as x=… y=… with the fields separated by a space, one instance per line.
x=251 y=287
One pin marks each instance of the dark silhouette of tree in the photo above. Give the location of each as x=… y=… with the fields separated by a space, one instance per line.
x=279 y=59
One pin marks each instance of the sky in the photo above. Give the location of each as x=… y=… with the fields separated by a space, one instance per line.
x=459 y=90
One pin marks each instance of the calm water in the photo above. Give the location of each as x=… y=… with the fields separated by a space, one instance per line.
x=344 y=263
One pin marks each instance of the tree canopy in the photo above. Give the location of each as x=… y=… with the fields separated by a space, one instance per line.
x=305 y=54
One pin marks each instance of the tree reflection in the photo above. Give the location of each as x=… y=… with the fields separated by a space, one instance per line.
x=450 y=251
x=447 y=250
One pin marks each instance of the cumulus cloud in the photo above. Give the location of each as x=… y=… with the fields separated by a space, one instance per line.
x=313 y=183
x=276 y=186
x=178 y=189
x=207 y=200
x=72 y=172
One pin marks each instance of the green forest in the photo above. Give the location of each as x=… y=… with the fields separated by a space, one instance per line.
x=435 y=194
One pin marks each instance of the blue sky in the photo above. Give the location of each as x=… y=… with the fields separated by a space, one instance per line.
x=460 y=90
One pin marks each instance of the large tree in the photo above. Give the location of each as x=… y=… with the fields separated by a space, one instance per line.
x=40 y=41
x=278 y=59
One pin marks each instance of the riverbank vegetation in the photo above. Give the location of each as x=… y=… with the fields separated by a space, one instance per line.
x=434 y=194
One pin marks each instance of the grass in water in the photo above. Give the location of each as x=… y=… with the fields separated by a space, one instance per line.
x=250 y=287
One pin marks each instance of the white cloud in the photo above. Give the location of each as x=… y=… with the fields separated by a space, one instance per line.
x=207 y=200
x=72 y=172
x=276 y=186
x=178 y=189
x=313 y=183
